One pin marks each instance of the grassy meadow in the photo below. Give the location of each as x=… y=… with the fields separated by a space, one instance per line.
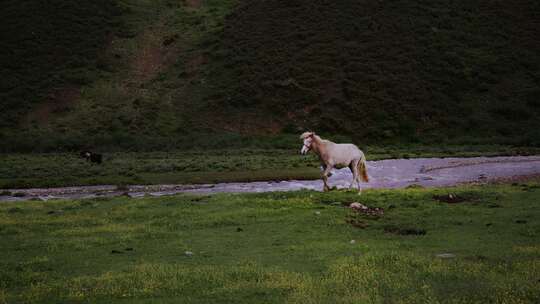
x=210 y=166
x=276 y=248
x=218 y=91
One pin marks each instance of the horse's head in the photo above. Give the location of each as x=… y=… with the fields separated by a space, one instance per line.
x=307 y=137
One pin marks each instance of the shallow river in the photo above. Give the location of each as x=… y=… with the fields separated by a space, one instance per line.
x=391 y=173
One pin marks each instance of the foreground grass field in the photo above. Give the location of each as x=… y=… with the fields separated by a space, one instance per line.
x=211 y=166
x=278 y=247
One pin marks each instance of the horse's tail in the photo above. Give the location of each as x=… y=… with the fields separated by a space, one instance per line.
x=362 y=168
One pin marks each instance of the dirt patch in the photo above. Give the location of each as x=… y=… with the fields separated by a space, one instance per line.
x=374 y=212
x=404 y=230
x=193 y=65
x=15 y=210
x=200 y=200
x=361 y=213
x=158 y=51
x=247 y=123
x=450 y=198
x=193 y=3
x=356 y=221
x=170 y=40
x=58 y=100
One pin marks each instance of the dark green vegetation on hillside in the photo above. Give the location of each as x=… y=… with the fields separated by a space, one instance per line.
x=47 y=46
x=155 y=74
x=387 y=69
x=140 y=96
x=275 y=248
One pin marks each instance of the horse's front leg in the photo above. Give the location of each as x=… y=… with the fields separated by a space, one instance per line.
x=324 y=169
x=325 y=176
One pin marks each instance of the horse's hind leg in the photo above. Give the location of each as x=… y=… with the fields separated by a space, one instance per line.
x=354 y=170
x=358 y=183
x=356 y=176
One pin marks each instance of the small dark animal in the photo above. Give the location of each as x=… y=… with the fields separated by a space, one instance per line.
x=91 y=157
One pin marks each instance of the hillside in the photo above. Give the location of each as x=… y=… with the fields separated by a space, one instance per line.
x=48 y=46
x=378 y=69
x=173 y=74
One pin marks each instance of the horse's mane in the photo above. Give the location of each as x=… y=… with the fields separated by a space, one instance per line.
x=308 y=134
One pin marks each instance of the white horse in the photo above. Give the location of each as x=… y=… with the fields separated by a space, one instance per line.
x=338 y=156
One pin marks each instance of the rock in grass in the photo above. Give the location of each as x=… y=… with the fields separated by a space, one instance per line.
x=357 y=206
x=352 y=242
x=446 y=255
x=188 y=253
x=317 y=213
x=361 y=208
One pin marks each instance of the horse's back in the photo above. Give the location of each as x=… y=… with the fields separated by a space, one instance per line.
x=345 y=153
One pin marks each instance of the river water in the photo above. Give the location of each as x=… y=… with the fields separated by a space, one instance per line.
x=391 y=173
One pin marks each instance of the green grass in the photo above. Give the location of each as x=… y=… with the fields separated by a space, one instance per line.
x=210 y=166
x=275 y=248
x=46 y=170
